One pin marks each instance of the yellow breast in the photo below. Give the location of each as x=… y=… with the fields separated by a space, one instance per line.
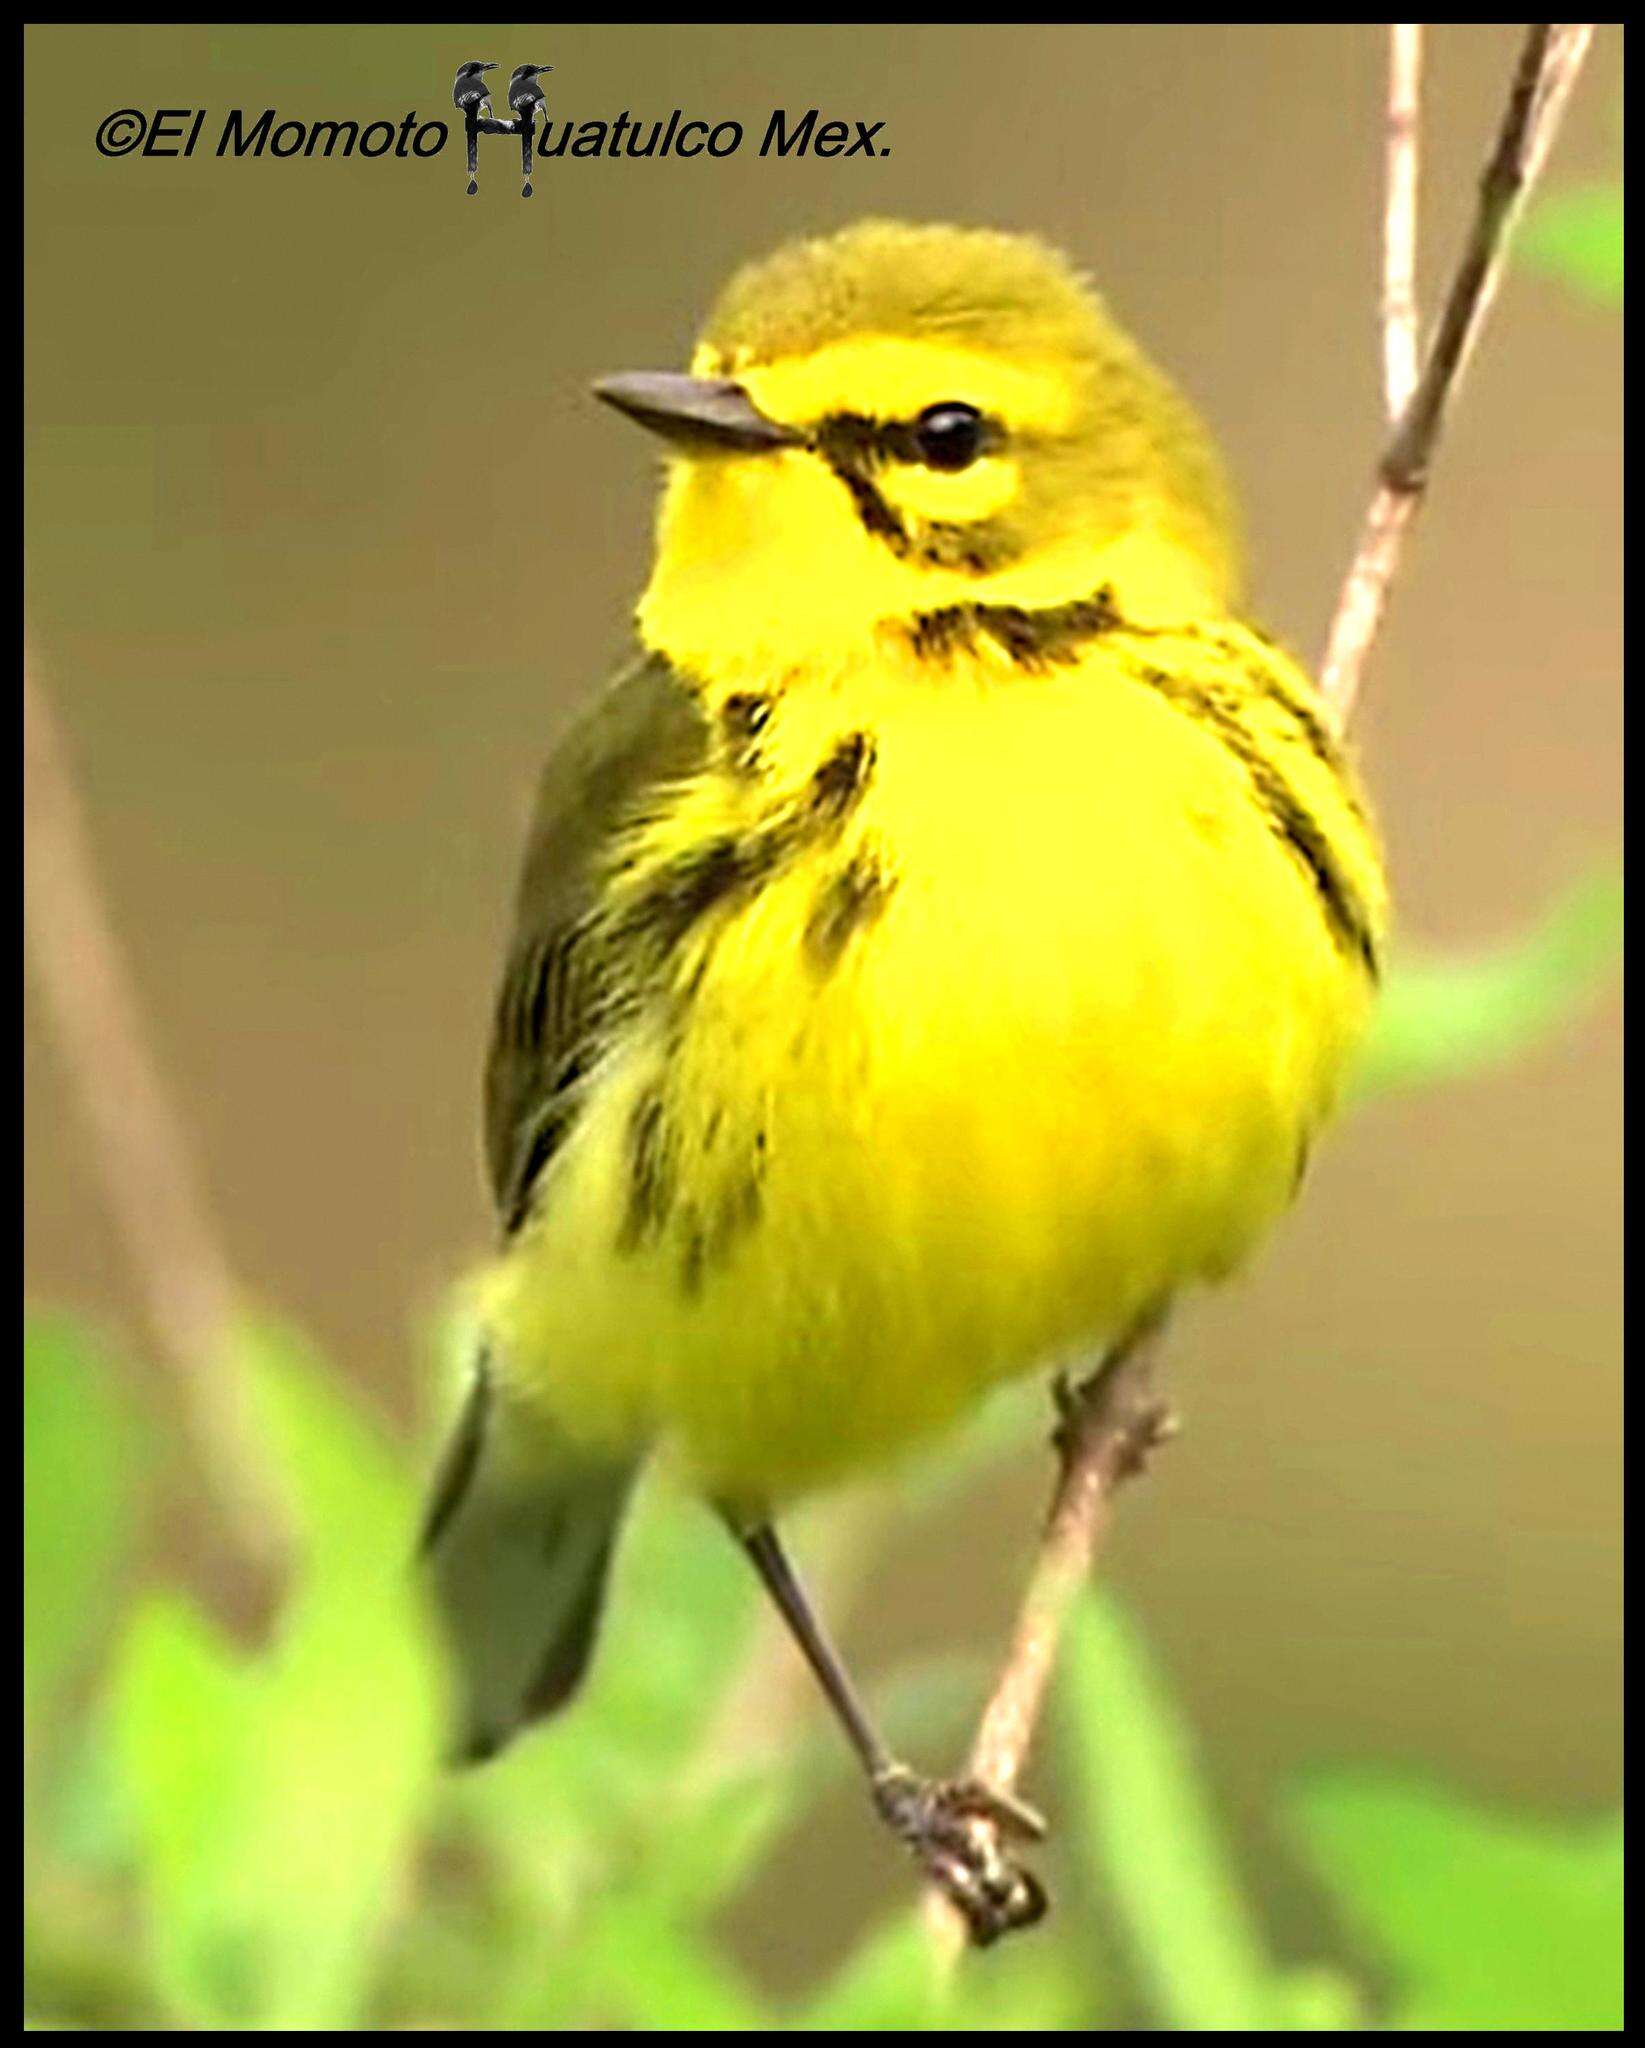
x=1017 y=1024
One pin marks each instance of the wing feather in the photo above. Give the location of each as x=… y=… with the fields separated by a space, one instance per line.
x=562 y=988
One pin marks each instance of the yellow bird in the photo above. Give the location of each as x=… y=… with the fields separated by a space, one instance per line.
x=937 y=949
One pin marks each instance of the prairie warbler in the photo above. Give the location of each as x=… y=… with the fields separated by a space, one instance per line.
x=936 y=949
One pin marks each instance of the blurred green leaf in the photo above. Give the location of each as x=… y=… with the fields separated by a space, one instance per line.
x=81 y=1445
x=593 y=1786
x=682 y=1610
x=926 y=1703
x=889 y=1984
x=1317 y=1999
x=892 y=1983
x=1150 y=1835
x=1490 y=1923
x=89 y=1813
x=279 y=1800
x=1446 y=1017
x=1036 y=1987
x=621 y=1801
x=708 y=1844
x=350 y=1717
x=184 y=1711
x=1577 y=236
x=648 y=1972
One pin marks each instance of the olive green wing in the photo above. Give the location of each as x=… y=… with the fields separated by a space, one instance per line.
x=517 y=1545
x=561 y=992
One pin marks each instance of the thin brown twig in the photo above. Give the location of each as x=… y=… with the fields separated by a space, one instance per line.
x=1113 y=1422
x=1400 y=324
x=138 y=1147
x=1122 y=1413
x=1110 y=1425
x=1549 y=63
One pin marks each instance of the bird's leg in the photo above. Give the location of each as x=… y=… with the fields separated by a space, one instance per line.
x=955 y=1829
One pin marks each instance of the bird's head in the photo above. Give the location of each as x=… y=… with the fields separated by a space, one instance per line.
x=894 y=419
x=469 y=86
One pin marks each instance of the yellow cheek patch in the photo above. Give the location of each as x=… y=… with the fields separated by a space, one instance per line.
x=954 y=496
x=887 y=378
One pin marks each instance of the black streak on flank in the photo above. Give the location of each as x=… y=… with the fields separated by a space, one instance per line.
x=1301 y=831
x=1303 y=716
x=1287 y=816
x=842 y=777
x=1033 y=640
x=686 y=888
x=847 y=903
x=743 y=717
x=729 y=868
x=1300 y=711
x=732 y=866
x=651 y=1172
x=736 y=1212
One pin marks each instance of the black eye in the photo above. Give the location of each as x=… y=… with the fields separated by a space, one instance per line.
x=948 y=435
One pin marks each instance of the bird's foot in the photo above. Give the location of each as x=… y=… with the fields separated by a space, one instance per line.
x=957 y=1830
x=1068 y=1403
x=1137 y=1425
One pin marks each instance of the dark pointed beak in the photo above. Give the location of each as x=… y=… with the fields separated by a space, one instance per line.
x=698 y=413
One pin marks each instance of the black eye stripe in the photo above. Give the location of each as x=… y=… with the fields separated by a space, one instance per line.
x=854 y=440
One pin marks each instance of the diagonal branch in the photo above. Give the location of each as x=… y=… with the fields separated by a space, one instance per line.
x=1548 y=67
x=139 y=1149
x=1110 y=1425
x=1120 y=1415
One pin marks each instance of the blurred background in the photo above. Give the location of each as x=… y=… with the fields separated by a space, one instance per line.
x=325 y=540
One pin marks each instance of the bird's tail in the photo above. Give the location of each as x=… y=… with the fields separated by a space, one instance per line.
x=517 y=1540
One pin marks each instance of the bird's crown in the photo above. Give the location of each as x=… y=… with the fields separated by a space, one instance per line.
x=968 y=286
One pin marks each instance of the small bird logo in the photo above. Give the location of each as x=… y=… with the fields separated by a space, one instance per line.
x=525 y=96
x=471 y=90
x=471 y=96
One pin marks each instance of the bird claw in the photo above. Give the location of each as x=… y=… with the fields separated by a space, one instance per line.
x=956 y=1830
x=1067 y=1402
x=1149 y=1423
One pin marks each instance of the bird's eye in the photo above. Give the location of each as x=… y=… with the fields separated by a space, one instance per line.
x=948 y=435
